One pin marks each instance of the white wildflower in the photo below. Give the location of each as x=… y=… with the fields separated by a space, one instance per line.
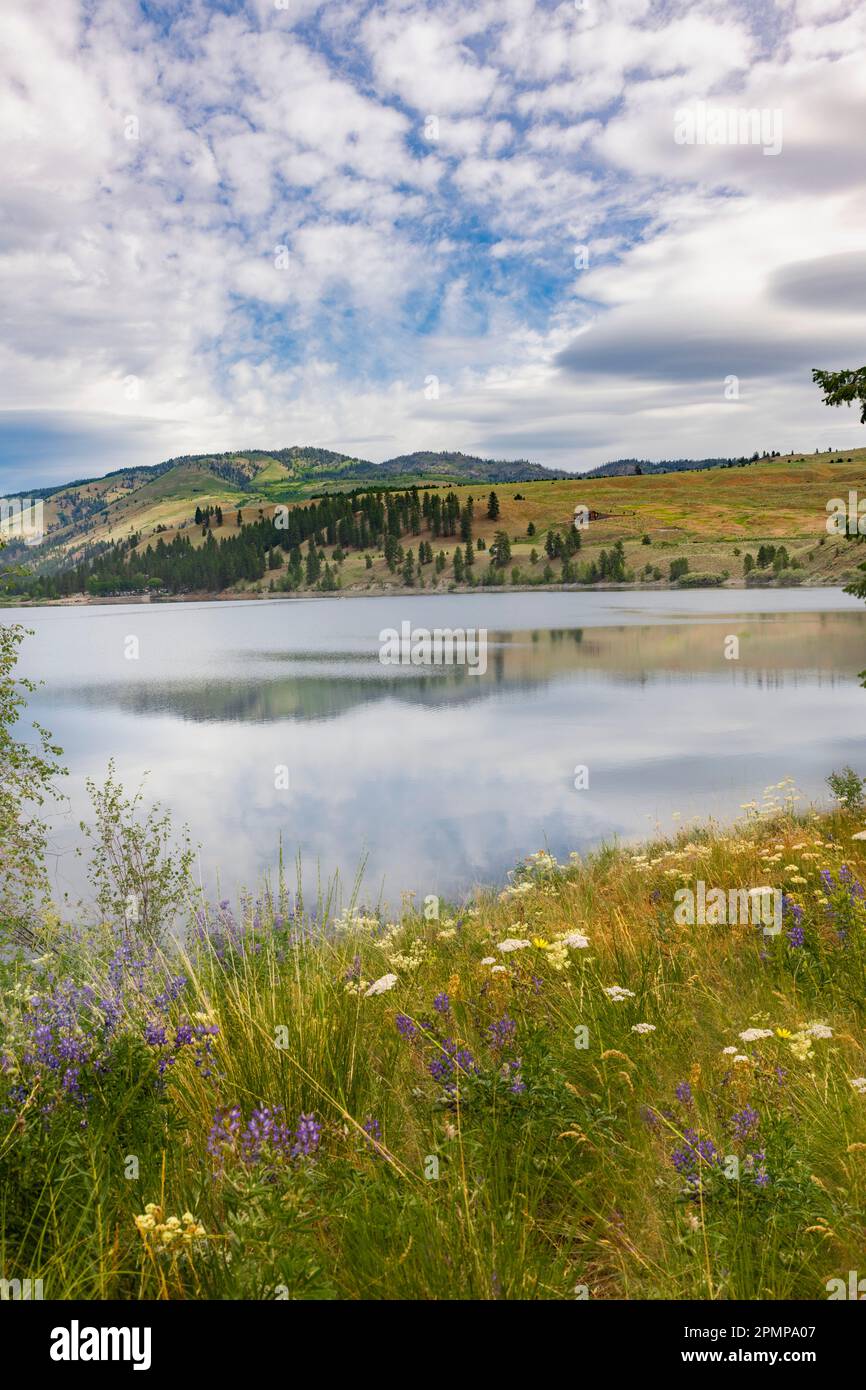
x=382 y=985
x=818 y=1030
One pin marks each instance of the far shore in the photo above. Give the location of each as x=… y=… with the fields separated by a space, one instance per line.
x=396 y=591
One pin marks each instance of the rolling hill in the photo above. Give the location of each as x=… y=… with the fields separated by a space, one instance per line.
x=711 y=515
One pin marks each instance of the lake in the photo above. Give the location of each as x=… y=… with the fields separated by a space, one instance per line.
x=440 y=778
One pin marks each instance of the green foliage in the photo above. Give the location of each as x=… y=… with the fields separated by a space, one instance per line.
x=141 y=881
x=843 y=388
x=28 y=769
x=848 y=788
x=700 y=581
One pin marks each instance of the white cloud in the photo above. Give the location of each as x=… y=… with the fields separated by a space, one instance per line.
x=151 y=174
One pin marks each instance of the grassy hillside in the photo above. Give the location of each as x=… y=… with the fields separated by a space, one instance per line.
x=553 y=1092
x=712 y=518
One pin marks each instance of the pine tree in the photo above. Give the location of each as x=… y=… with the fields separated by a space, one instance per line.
x=493 y=507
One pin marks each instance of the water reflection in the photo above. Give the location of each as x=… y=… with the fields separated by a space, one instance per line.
x=442 y=777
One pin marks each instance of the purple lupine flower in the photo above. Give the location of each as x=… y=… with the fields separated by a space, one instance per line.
x=154 y=1034
x=373 y=1130
x=684 y=1093
x=755 y=1166
x=501 y=1032
x=450 y=1060
x=405 y=1027
x=223 y=1132
x=266 y=1135
x=744 y=1122
x=796 y=937
x=442 y=1004
x=307 y=1136
x=518 y=1085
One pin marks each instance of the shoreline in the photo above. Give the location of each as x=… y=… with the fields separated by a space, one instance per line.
x=398 y=591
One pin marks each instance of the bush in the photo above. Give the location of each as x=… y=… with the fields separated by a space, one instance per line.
x=700 y=581
x=848 y=788
x=678 y=569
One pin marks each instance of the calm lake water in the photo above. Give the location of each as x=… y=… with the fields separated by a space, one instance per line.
x=441 y=778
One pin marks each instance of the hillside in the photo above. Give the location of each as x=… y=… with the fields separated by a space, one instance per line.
x=712 y=519
x=92 y=512
x=563 y=1091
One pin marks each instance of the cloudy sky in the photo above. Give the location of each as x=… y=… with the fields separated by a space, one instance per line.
x=498 y=226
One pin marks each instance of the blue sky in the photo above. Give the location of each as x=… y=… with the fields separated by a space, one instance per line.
x=233 y=225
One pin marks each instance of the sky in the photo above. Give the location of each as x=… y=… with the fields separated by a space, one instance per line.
x=520 y=229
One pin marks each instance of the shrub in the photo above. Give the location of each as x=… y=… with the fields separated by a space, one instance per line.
x=700 y=581
x=848 y=788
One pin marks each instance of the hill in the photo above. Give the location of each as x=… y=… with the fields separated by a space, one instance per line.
x=88 y=513
x=618 y=468
x=719 y=522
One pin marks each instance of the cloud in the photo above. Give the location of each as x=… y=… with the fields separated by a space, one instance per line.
x=231 y=226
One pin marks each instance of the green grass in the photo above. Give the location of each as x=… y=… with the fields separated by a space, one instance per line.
x=565 y=1188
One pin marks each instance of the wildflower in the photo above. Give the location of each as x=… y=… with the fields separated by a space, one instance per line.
x=754 y=1165
x=755 y=1034
x=382 y=985
x=307 y=1137
x=643 y=1028
x=489 y=960
x=442 y=1004
x=501 y=1032
x=818 y=1030
x=513 y=943
x=801 y=1046
x=684 y=1093
x=405 y=1027
x=450 y=1061
x=618 y=994
x=859 y=1084
x=744 y=1122
x=740 y=1059
x=499 y=970
x=373 y=1130
x=576 y=941
x=728 y=1051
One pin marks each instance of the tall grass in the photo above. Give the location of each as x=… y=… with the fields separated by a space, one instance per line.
x=470 y=1147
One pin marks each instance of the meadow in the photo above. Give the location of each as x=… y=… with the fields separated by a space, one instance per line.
x=553 y=1090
